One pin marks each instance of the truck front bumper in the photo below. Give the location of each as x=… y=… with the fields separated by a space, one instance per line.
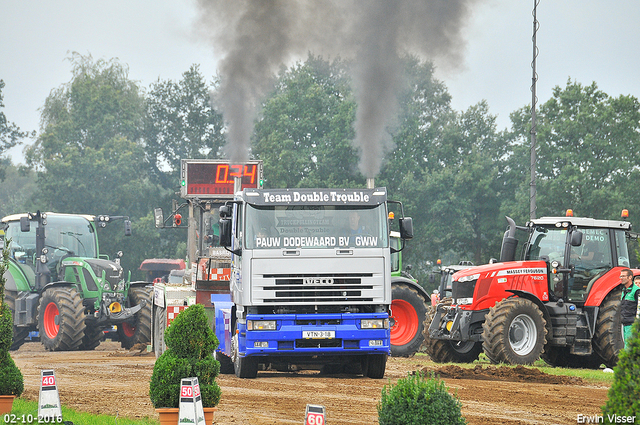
x=314 y=334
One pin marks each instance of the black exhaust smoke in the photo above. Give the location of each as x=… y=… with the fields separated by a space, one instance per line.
x=255 y=37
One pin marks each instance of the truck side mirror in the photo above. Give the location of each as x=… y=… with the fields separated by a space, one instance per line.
x=159 y=218
x=127 y=227
x=406 y=228
x=225 y=211
x=225 y=231
x=25 y=224
x=576 y=238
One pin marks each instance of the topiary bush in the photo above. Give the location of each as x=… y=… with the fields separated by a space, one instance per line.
x=11 y=379
x=416 y=400
x=624 y=394
x=190 y=345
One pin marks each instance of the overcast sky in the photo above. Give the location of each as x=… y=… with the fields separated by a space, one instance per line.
x=585 y=40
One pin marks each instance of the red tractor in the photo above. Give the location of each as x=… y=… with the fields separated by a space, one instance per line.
x=559 y=303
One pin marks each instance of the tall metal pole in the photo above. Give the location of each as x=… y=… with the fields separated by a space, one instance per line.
x=534 y=79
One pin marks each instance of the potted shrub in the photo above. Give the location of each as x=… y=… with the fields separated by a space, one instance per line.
x=417 y=399
x=11 y=380
x=190 y=345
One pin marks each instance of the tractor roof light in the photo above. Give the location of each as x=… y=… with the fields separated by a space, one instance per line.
x=391 y=215
x=569 y=213
x=625 y=213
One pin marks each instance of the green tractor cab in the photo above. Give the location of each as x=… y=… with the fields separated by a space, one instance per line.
x=59 y=285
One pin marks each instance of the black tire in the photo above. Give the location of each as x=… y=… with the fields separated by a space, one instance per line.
x=244 y=367
x=408 y=310
x=159 y=326
x=20 y=333
x=137 y=330
x=226 y=364
x=374 y=366
x=92 y=337
x=608 y=340
x=562 y=357
x=514 y=332
x=445 y=351
x=61 y=319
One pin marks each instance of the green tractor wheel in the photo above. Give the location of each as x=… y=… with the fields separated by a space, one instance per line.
x=137 y=329
x=61 y=319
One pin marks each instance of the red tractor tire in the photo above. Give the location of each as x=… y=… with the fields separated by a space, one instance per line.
x=408 y=311
x=514 y=332
x=61 y=319
x=607 y=340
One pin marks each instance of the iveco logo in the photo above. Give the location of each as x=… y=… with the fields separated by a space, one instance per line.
x=318 y=281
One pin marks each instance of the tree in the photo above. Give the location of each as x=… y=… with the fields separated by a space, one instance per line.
x=305 y=132
x=180 y=123
x=455 y=203
x=10 y=134
x=17 y=189
x=89 y=156
x=587 y=147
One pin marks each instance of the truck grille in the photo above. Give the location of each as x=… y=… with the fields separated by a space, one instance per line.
x=318 y=288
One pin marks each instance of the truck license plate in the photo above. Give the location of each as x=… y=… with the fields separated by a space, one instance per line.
x=318 y=334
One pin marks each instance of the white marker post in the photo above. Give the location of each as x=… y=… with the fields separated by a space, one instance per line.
x=49 y=410
x=314 y=415
x=191 y=411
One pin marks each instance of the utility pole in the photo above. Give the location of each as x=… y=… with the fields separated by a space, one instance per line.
x=534 y=99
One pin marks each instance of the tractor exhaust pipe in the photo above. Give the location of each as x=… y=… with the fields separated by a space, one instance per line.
x=370 y=183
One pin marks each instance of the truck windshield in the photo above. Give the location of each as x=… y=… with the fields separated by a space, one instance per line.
x=315 y=226
x=64 y=235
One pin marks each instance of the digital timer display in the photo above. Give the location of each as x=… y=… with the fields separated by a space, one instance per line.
x=215 y=178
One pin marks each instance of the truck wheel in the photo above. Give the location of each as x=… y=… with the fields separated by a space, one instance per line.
x=137 y=329
x=607 y=339
x=19 y=332
x=373 y=366
x=408 y=310
x=92 y=337
x=226 y=364
x=61 y=319
x=445 y=351
x=514 y=332
x=159 y=326
x=245 y=367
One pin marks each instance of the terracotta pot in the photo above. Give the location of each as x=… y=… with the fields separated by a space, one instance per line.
x=170 y=416
x=6 y=403
x=208 y=415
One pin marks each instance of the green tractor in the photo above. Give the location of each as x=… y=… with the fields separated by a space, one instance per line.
x=58 y=284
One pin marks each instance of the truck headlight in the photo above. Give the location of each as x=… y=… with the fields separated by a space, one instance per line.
x=374 y=323
x=261 y=325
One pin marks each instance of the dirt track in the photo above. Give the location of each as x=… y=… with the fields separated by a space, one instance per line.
x=115 y=381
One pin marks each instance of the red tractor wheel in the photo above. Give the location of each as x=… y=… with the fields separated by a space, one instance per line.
x=408 y=311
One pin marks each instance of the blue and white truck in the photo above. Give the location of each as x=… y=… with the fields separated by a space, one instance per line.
x=310 y=284
x=292 y=286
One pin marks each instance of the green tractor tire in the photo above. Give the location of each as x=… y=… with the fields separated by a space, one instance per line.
x=138 y=329
x=61 y=319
